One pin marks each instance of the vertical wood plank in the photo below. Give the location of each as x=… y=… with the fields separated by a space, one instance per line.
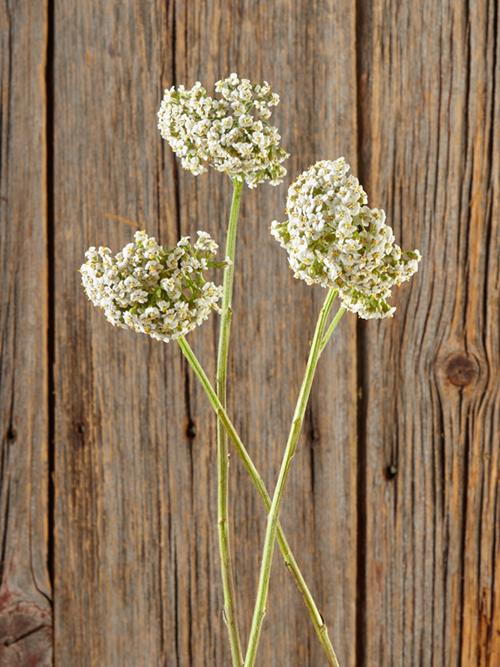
x=25 y=589
x=290 y=45
x=121 y=448
x=428 y=108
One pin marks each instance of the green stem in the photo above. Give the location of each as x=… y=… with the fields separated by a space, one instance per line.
x=273 y=516
x=230 y=615
x=333 y=325
x=288 y=557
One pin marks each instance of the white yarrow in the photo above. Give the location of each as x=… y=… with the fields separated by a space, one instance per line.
x=230 y=133
x=335 y=240
x=151 y=289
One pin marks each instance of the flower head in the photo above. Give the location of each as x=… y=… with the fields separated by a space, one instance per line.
x=230 y=133
x=151 y=289
x=335 y=240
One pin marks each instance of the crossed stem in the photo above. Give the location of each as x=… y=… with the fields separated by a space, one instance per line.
x=288 y=557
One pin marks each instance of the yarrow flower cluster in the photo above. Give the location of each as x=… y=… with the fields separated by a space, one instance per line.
x=231 y=133
x=151 y=289
x=335 y=240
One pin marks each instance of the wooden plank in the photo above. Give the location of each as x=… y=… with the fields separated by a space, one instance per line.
x=274 y=315
x=290 y=45
x=120 y=398
x=25 y=588
x=429 y=156
x=135 y=544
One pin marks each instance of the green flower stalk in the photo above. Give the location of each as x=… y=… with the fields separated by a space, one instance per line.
x=273 y=516
x=288 y=557
x=230 y=614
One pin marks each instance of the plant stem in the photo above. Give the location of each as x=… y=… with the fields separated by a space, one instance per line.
x=273 y=516
x=288 y=557
x=230 y=615
x=333 y=325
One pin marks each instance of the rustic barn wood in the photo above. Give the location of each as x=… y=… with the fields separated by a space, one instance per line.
x=429 y=491
x=108 y=492
x=25 y=589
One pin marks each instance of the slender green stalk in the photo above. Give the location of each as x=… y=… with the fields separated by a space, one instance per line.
x=273 y=516
x=333 y=325
x=230 y=615
x=289 y=558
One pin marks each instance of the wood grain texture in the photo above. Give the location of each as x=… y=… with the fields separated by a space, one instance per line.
x=25 y=589
x=429 y=156
x=392 y=508
x=274 y=314
x=117 y=428
x=135 y=513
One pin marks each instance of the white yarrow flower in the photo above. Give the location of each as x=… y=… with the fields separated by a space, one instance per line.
x=335 y=240
x=230 y=133
x=151 y=289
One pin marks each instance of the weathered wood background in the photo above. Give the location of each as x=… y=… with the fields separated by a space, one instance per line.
x=107 y=504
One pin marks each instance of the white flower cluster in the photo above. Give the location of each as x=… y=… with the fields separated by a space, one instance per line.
x=231 y=133
x=151 y=289
x=335 y=240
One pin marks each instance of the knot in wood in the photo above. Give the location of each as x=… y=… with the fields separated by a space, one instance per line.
x=391 y=471
x=191 y=429
x=11 y=435
x=461 y=370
